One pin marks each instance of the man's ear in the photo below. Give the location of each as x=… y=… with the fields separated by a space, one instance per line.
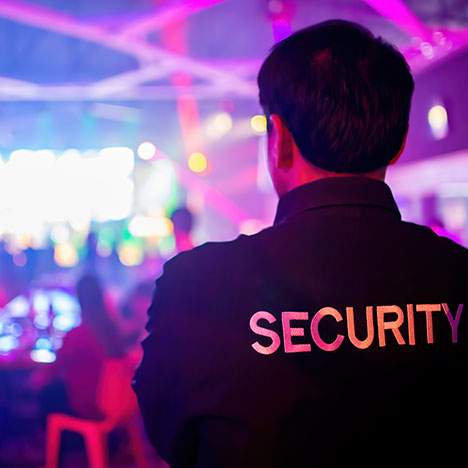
x=400 y=152
x=281 y=142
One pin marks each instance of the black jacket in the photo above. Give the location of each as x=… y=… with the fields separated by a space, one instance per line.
x=337 y=337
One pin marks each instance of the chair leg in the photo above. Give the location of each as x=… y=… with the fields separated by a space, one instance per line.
x=53 y=434
x=137 y=443
x=96 y=447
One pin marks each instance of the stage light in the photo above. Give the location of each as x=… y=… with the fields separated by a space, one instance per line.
x=41 y=302
x=145 y=226
x=159 y=186
x=45 y=156
x=43 y=355
x=427 y=50
x=219 y=125
x=116 y=160
x=130 y=254
x=43 y=343
x=64 y=303
x=20 y=157
x=80 y=222
x=140 y=226
x=60 y=233
x=197 y=162
x=259 y=124
x=18 y=307
x=115 y=202
x=8 y=343
x=438 y=121
x=41 y=321
x=65 y=255
x=64 y=322
x=146 y=150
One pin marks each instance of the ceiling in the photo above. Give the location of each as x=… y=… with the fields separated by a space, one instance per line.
x=83 y=50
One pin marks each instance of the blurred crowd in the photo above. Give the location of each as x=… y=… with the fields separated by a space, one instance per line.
x=113 y=302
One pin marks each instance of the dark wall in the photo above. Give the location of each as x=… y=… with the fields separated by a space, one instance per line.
x=447 y=83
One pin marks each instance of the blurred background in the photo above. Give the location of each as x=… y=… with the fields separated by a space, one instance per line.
x=130 y=130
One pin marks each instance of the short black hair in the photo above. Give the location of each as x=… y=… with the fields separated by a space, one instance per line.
x=344 y=94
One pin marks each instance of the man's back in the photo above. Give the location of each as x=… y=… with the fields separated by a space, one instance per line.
x=337 y=336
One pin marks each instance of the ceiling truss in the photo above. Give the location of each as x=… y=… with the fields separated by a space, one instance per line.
x=214 y=79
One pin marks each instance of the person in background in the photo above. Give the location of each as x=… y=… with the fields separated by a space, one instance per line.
x=86 y=347
x=183 y=220
x=134 y=314
x=338 y=336
x=79 y=362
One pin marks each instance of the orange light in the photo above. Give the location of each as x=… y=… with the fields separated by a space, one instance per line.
x=197 y=162
x=65 y=255
x=130 y=254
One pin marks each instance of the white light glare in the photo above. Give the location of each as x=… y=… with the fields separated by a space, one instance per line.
x=219 y=125
x=146 y=150
x=43 y=355
x=438 y=121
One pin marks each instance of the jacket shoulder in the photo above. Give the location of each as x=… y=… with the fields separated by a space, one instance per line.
x=210 y=262
x=438 y=242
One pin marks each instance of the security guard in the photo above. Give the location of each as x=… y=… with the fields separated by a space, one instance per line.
x=338 y=336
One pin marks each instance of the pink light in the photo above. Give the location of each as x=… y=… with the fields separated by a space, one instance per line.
x=166 y=15
x=214 y=197
x=281 y=29
x=397 y=12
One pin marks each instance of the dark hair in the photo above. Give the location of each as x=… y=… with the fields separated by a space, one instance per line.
x=90 y=294
x=182 y=219
x=344 y=95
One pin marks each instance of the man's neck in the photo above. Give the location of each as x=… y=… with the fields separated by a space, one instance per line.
x=312 y=174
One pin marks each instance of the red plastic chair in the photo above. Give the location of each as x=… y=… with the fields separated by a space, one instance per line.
x=118 y=404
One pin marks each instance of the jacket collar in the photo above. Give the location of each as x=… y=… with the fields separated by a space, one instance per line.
x=336 y=191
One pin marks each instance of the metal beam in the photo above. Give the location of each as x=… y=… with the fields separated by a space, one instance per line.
x=399 y=14
x=429 y=45
x=177 y=11
x=12 y=90
x=123 y=81
x=53 y=21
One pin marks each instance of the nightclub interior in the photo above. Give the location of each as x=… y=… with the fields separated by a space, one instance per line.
x=130 y=131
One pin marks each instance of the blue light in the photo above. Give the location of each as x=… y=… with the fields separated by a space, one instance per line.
x=8 y=343
x=43 y=343
x=18 y=307
x=64 y=303
x=41 y=321
x=65 y=322
x=41 y=302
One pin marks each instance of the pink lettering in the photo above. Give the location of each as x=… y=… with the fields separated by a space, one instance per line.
x=428 y=309
x=314 y=329
x=453 y=321
x=411 y=337
x=274 y=337
x=394 y=325
x=289 y=332
x=361 y=344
